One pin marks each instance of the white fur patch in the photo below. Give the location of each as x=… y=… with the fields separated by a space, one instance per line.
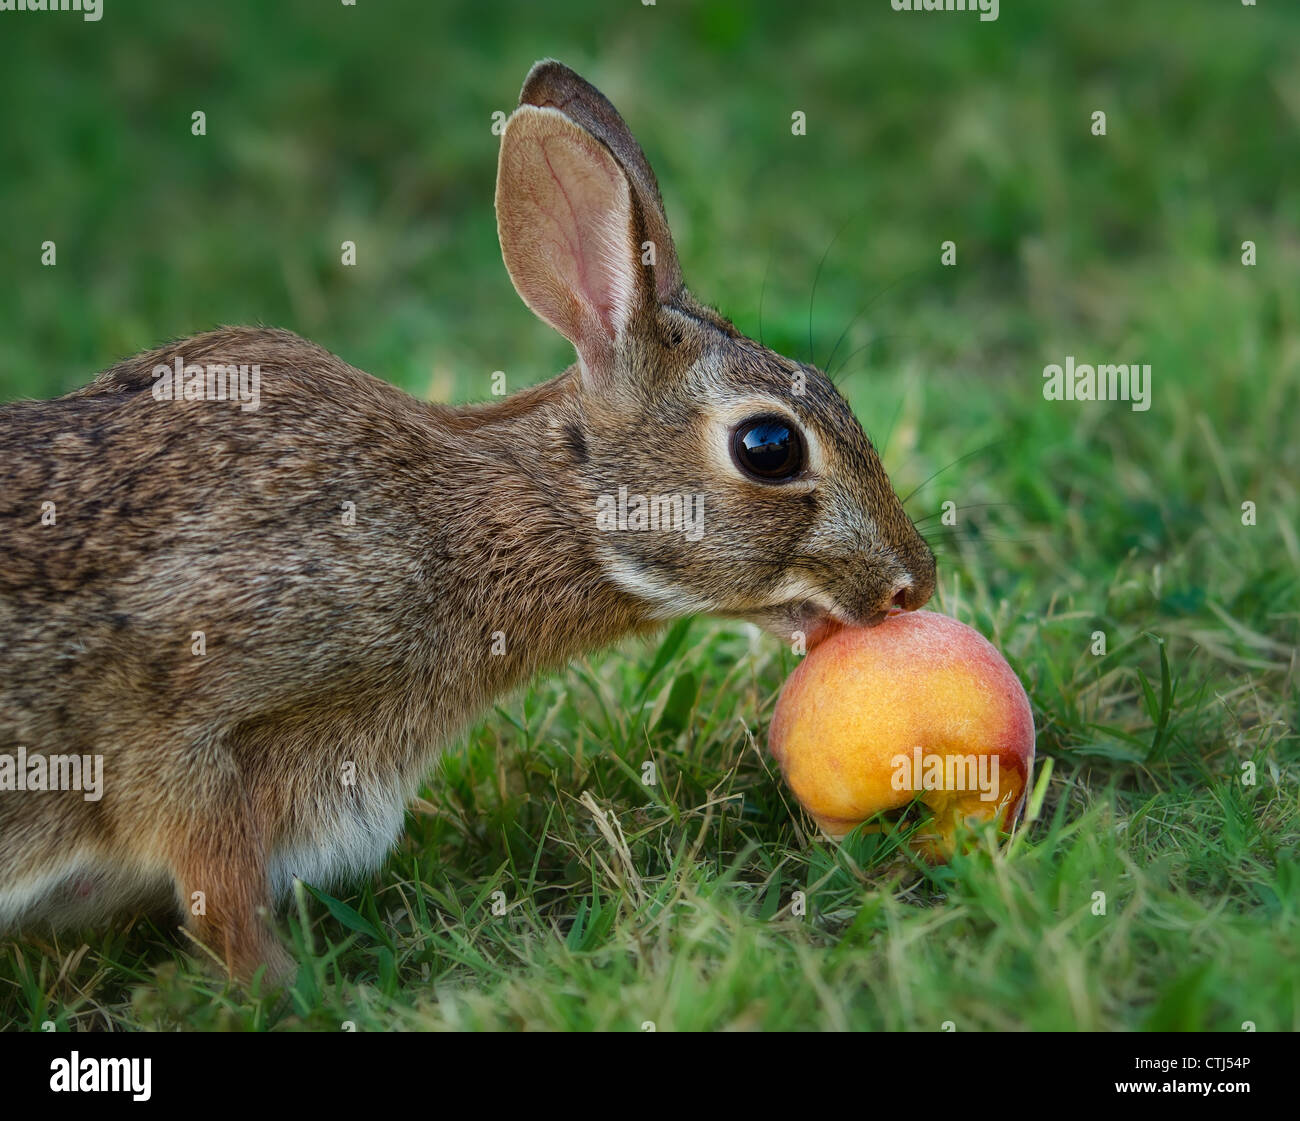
x=81 y=889
x=353 y=838
x=666 y=600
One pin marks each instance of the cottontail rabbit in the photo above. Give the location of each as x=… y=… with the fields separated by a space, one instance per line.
x=264 y=616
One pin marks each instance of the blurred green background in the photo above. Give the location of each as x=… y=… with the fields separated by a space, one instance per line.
x=372 y=123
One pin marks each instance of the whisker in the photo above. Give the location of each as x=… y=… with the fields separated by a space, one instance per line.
x=812 y=352
x=962 y=509
x=958 y=534
x=763 y=292
x=864 y=307
x=869 y=343
x=985 y=539
x=962 y=459
x=893 y=423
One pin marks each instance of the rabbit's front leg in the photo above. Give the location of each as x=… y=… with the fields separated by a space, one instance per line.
x=219 y=862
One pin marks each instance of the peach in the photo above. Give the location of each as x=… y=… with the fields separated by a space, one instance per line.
x=919 y=704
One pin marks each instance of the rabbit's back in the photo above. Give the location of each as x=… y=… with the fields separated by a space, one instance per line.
x=188 y=584
x=152 y=545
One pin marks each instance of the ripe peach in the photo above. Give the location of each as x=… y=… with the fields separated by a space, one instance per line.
x=918 y=704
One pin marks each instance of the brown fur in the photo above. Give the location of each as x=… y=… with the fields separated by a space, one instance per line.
x=371 y=645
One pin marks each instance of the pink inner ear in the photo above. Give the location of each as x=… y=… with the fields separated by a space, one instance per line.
x=579 y=215
x=582 y=218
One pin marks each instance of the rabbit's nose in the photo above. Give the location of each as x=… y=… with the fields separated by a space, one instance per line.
x=908 y=596
x=914 y=585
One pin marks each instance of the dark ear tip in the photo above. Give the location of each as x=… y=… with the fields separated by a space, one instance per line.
x=543 y=64
x=550 y=82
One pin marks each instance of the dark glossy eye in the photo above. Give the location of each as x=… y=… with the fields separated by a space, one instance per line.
x=768 y=448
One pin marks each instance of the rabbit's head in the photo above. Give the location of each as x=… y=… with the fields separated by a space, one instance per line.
x=719 y=476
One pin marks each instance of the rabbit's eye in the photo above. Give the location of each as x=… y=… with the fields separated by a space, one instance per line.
x=768 y=448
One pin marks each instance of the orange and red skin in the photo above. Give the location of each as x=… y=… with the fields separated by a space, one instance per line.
x=864 y=695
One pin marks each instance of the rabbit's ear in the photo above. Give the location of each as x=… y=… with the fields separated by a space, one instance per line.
x=567 y=224
x=552 y=84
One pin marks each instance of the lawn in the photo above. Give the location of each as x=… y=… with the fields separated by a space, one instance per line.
x=541 y=882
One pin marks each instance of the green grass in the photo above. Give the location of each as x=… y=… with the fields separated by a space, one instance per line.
x=674 y=903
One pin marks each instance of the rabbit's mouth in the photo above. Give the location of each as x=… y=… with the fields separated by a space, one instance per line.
x=814 y=620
